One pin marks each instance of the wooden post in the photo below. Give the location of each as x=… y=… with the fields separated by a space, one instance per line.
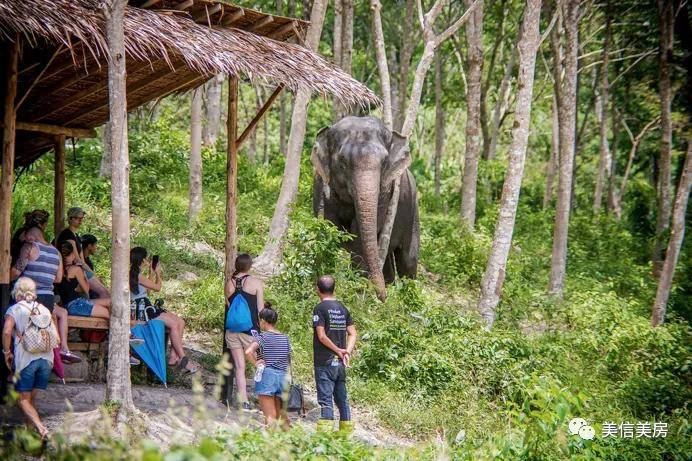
x=59 y=193
x=7 y=178
x=231 y=196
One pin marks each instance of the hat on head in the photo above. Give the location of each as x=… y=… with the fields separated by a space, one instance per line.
x=75 y=212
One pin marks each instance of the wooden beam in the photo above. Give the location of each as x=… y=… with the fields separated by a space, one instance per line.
x=231 y=233
x=263 y=110
x=55 y=130
x=182 y=6
x=149 y=3
x=8 y=144
x=233 y=17
x=38 y=77
x=71 y=63
x=59 y=182
x=100 y=85
x=149 y=80
x=261 y=23
x=205 y=15
x=231 y=180
x=281 y=31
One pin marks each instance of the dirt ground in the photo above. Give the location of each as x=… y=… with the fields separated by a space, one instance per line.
x=176 y=414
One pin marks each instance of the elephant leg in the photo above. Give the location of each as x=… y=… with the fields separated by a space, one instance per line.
x=388 y=269
x=406 y=258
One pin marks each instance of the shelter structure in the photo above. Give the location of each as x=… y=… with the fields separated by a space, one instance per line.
x=54 y=78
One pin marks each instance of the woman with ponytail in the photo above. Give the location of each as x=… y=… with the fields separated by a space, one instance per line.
x=252 y=290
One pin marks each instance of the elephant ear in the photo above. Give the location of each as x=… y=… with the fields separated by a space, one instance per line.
x=318 y=157
x=398 y=160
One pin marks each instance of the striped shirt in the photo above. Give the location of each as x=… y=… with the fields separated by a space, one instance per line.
x=275 y=349
x=43 y=269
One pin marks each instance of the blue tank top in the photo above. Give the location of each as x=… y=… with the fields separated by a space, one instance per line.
x=43 y=269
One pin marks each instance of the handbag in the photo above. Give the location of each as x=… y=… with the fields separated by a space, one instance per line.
x=296 y=401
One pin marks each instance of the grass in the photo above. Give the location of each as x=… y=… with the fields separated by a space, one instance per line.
x=425 y=366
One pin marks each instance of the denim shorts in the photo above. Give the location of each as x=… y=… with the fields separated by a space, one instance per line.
x=273 y=383
x=80 y=307
x=34 y=376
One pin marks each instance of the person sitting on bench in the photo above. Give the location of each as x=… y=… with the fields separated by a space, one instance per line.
x=75 y=216
x=41 y=262
x=74 y=286
x=144 y=279
x=96 y=287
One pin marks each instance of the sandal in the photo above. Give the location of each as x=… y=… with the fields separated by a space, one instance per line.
x=183 y=366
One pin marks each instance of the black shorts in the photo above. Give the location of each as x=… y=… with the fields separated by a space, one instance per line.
x=46 y=300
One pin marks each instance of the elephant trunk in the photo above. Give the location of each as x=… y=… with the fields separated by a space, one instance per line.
x=366 y=198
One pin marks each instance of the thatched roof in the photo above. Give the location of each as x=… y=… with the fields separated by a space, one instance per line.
x=175 y=46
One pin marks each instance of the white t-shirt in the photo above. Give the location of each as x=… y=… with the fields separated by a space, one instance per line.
x=20 y=312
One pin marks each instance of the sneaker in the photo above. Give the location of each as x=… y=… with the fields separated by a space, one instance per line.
x=247 y=407
x=69 y=357
x=134 y=361
x=134 y=341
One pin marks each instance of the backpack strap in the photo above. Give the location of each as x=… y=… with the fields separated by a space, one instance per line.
x=239 y=281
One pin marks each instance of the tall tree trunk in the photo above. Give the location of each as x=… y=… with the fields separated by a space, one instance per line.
x=474 y=37
x=346 y=50
x=439 y=122
x=118 y=386
x=630 y=160
x=212 y=116
x=490 y=70
x=195 y=181
x=271 y=255
x=663 y=186
x=105 y=168
x=501 y=103
x=491 y=285
x=337 y=43
x=265 y=131
x=405 y=54
x=382 y=67
x=554 y=156
x=677 y=234
x=602 y=109
x=566 y=92
x=612 y=201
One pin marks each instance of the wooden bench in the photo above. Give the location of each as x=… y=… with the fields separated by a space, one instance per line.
x=95 y=352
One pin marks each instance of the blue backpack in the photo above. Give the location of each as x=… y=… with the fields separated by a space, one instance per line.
x=239 y=318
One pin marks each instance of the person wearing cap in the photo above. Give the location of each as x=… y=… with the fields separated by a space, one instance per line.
x=75 y=217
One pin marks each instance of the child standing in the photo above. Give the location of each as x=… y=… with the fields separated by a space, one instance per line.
x=272 y=362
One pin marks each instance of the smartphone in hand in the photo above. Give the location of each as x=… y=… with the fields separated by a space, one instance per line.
x=154 y=262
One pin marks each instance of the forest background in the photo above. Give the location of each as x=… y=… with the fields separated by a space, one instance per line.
x=427 y=367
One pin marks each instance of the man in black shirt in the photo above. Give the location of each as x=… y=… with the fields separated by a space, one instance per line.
x=334 y=338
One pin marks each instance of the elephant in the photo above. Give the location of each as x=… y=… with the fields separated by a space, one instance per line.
x=356 y=162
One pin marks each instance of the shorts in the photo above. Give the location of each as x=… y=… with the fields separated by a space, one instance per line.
x=34 y=376
x=273 y=383
x=80 y=307
x=46 y=300
x=238 y=340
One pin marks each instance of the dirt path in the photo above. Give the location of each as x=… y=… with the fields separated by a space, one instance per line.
x=172 y=415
